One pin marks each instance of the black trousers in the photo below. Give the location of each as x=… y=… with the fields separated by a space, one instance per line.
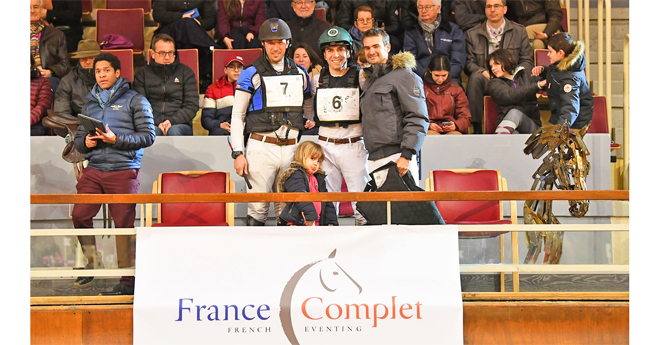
x=189 y=35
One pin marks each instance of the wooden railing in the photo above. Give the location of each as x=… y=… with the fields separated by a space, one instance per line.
x=345 y=196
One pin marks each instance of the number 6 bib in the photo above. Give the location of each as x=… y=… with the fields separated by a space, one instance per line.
x=338 y=104
x=284 y=92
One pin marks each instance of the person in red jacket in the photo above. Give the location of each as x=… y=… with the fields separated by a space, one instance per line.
x=219 y=98
x=449 y=110
x=41 y=99
x=239 y=22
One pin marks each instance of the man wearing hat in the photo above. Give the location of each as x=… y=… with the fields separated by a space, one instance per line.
x=219 y=98
x=269 y=98
x=337 y=112
x=70 y=96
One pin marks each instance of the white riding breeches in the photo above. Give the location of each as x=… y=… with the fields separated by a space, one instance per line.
x=350 y=162
x=265 y=164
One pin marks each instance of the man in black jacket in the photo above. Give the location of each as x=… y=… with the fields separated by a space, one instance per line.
x=305 y=27
x=170 y=87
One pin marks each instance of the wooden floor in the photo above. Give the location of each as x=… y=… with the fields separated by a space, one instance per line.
x=510 y=318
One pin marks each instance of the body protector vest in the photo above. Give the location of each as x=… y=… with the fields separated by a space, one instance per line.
x=282 y=98
x=337 y=99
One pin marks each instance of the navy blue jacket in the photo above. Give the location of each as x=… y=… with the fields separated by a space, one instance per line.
x=448 y=40
x=568 y=90
x=295 y=180
x=129 y=116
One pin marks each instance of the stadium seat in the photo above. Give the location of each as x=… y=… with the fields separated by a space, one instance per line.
x=475 y=212
x=87 y=6
x=320 y=13
x=490 y=115
x=541 y=57
x=192 y=214
x=599 y=121
x=219 y=55
x=127 y=22
x=126 y=59
x=345 y=207
x=564 y=19
x=145 y=5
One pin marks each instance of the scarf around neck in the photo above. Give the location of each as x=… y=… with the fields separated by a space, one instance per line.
x=104 y=96
x=35 y=36
x=429 y=29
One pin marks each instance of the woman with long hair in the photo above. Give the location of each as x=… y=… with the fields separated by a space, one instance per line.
x=514 y=92
x=449 y=110
x=306 y=57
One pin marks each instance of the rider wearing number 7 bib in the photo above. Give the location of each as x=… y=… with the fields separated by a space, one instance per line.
x=269 y=98
x=336 y=93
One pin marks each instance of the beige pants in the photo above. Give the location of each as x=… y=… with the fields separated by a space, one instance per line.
x=536 y=44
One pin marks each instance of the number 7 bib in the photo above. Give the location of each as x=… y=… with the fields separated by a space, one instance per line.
x=284 y=91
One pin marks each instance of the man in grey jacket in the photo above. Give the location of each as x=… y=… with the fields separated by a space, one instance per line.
x=394 y=114
x=495 y=33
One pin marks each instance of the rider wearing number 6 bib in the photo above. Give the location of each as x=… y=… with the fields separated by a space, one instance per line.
x=269 y=99
x=336 y=93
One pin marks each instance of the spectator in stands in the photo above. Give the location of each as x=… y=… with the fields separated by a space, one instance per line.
x=114 y=157
x=385 y=14
x=449 y=112
x=570 y=98
x=306 y=57
x=432 y=35
x=469 y=13
x=219 y=98
x=41 y=98
x=514 y=92
x=238 y=23
x=494 y=33
x=280 y=9
x=362 y=59
x=170 y=87
x=305 y=27
x=364 y=20
x=401 y=105
x=189 y=30
x=66 y=16
x=71 y=95
x=47 y=46
x=410 y=14
x=541 y=19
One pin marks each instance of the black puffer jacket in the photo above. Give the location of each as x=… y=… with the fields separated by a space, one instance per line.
x=519 y=93
x=52 y=48
x=307 y=30
x=71 y=94
x=171 y=90
x=168 y=11
x=384 y=10
x=295 y=180
x=128 y=114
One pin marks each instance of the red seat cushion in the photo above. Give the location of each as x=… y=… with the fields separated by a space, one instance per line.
x=191 y=214
x=469 y=212
x=188 y=223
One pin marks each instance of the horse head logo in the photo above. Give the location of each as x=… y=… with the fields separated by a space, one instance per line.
x=330 y=276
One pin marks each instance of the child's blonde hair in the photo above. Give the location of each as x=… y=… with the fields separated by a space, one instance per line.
x=308 y=149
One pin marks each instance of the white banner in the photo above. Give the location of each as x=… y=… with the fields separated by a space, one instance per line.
x=298 y=285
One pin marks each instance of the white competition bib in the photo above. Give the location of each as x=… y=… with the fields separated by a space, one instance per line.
x=284 y=91
x=338 y=104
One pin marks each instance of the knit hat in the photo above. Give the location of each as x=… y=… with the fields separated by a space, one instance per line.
x=87 y=48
